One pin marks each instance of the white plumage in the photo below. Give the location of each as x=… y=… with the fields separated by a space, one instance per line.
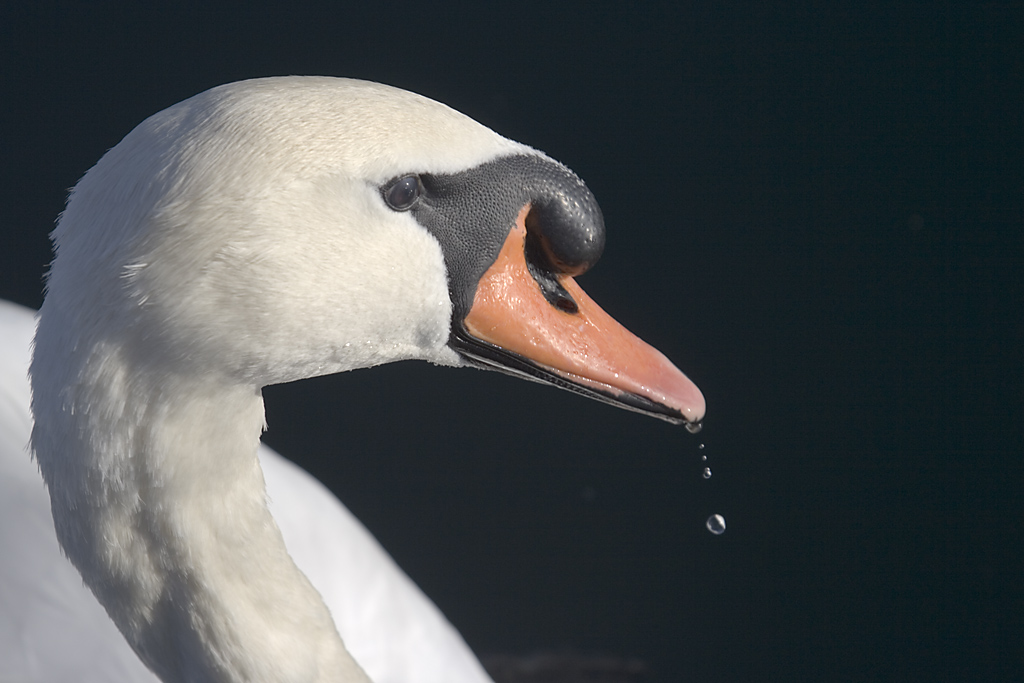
x=52 y=629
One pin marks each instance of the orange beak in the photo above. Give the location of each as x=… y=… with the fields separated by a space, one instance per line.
x=584 y=350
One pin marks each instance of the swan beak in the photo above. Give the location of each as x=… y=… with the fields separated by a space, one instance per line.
x=514 y=327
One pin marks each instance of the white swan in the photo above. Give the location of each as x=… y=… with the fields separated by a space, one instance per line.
x=262 y=232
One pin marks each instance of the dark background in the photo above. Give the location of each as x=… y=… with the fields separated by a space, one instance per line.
x=816 y=211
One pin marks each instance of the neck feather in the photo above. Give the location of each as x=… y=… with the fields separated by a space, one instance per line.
x=159 y=500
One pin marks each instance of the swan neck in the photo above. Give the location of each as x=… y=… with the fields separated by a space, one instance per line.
x=159 y=500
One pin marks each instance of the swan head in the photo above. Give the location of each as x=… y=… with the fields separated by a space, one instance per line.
x=281 y=228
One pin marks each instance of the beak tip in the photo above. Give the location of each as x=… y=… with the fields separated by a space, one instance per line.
x=695 y=408
x=679 y=392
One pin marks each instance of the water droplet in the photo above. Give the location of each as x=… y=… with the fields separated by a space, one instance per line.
x=700 y=447
x=707 y=472
x=694 y=427
x=716 y=524
x=704 y=458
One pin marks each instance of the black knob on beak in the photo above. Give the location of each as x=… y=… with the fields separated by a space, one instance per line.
x=566 y=221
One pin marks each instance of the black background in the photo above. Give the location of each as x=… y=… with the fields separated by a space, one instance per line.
x=816 y=211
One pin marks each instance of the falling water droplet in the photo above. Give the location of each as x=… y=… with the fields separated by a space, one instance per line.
x=716 y=524
x=694 y=427
x=700 y=447
x=704 y=458
x=707 y=472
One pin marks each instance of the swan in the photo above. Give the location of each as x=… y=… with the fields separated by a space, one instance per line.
x=267 y=231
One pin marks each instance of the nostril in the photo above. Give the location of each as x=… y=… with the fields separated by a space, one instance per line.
x=546 y=275
x=567 y=305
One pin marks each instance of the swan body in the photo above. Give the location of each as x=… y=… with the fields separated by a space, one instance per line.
x=263 y=232
x=53 y=629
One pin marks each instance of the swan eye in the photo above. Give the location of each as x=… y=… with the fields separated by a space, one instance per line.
x=401 y=194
